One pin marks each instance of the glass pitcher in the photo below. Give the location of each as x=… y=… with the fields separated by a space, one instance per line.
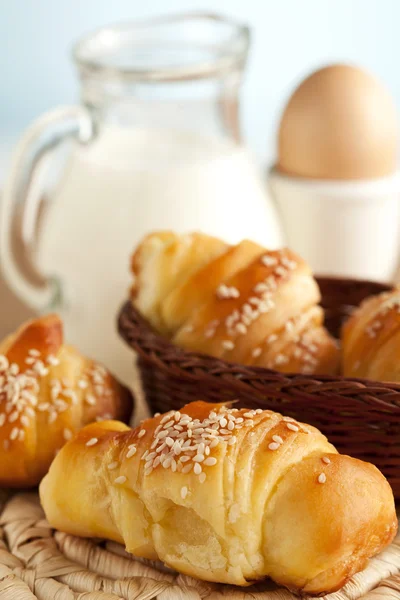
x=155 y=144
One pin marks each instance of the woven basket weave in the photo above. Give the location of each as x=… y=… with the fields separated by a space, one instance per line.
x=38 y=563
x=360 y=417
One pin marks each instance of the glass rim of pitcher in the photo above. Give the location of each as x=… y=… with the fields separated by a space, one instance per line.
x=94 y=52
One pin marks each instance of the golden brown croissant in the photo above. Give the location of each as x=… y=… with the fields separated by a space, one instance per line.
x=241 y=303
x=224 y=495
x=371 y=339
x=48 y=391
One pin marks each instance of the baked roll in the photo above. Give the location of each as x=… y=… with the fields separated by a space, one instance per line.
x=371 y=339
x=241 y=303
x=48 y=391
x=224 y=495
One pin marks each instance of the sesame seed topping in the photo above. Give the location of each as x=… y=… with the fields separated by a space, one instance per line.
x=228 y=345
x=142 y=432
x=256 y=352
x=197 y=469
x=281 y=359
x=13 y=417
x=34 y=352
x=90 y=399
x=52 y=360
x=113 y=465
x=132 y=451
x=14 y=369
x=321 y=478
x=269 y=261
x=273 y=446
x=92 y=442
x=271 y=338
x=184 y=492
x=120 y=479
x=292 y=427
x=280 y=271
x=326 y=460
x=202 y=477
x=52 y=417
x=224 y=292
x=67 y=433
x=14 y=433
x=241 y=328
x=277 y=439
x=157 y=414
x=24 y=421
x=210 y=461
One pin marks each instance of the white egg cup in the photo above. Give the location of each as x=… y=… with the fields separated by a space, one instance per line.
x=342 y=228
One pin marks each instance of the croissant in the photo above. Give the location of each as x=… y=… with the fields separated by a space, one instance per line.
x=371 y=339
x=224 y=495
x=241 y=303
x=47 y=392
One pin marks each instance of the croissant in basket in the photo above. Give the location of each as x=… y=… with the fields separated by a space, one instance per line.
x=241 y=303
x=224 y=495
x=371 y=339
x=48 y=391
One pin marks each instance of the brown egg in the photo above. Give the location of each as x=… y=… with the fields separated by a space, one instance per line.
x=340 y=123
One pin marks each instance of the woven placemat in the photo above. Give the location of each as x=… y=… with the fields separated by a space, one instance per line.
x=39 y=563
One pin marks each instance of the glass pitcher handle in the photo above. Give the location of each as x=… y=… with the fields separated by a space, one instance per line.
x=18 y=213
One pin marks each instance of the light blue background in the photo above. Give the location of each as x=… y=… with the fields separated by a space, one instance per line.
x=290 y=38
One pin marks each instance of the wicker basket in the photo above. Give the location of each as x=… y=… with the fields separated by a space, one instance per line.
x=360 y=417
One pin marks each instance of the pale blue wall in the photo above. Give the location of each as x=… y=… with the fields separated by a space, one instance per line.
x=290 y=38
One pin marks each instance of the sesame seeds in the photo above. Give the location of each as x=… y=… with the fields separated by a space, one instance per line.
x=4 y=364
x=184 y=492
x=14 y=433
x=112 y=465
x=271 y=338
x=277 y=439
x=67 y=433
x=119 y=480
x=269 y=261
x=53 y=360
x=321 y=478
x=34 y=352
x=225 y=292
x=292 y=427
x=92 y=442
x=281 y=359
x=273 y=446
x=141 y=433
x=256 y=352
x=228 y=345
x=131 y=451
x=326 y=460
x=19 y=391
x=90 y=399
x=185 y=445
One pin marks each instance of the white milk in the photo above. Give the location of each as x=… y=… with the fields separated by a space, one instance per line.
x=124 y=185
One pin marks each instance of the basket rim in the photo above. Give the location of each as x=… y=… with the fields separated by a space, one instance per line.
x=129 y=316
